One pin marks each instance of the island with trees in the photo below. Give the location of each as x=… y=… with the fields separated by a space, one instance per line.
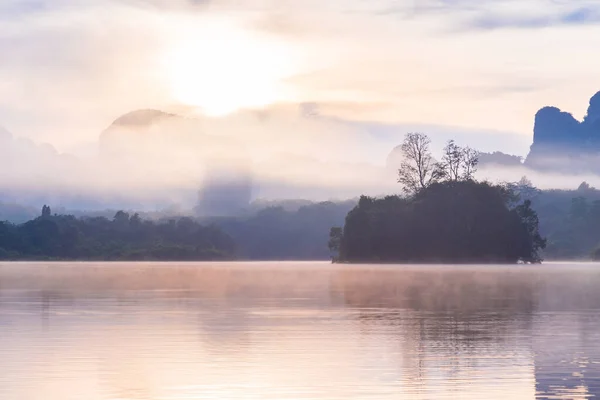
x=446 y=216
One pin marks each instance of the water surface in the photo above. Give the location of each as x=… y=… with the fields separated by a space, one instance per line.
x=298 y=331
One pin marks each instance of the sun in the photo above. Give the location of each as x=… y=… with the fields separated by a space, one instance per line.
x=221 y=69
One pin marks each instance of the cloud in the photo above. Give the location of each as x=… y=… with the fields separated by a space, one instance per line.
x=377 y=68
x=577 y=16
x=459 y=15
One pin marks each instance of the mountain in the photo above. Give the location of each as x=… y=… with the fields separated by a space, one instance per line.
x=499 y=159
x=142 y=117
x=146 y=126
x=223 y=176
x=562 y=143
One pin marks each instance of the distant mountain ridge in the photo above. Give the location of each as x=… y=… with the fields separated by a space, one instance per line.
x=142 y=117
x=560 y=140
x=225 y=189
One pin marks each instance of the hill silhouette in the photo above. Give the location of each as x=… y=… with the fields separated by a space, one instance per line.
x=562 y=143
x=227 y=183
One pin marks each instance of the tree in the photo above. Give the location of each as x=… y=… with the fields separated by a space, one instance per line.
x=585 y=187
x=46 y=212
x=418 y=169
x=535 y=242
x=135 y=220
x=452 y=160
x=469 y=162
x=335 y=239
x=121 y=219
x=523 y=190
x=459 y=163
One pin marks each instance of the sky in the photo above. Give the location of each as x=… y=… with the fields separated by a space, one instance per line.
x=72 y=66
x=473 y=70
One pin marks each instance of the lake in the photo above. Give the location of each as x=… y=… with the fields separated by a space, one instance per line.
x=298 y=331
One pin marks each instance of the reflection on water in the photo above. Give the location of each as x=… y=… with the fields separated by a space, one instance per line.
x=298 y=331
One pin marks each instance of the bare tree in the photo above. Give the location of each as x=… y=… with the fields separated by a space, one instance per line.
x=452 y=160
x=418 y=169
x=459 y=163
x=470 y=160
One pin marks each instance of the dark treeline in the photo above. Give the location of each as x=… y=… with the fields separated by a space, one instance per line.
x=277 y=233
x=446 y=216
x=125 y=237
x=458 y=222
x=571 y=221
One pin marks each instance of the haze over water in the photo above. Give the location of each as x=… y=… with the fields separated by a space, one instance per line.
x=298 y=331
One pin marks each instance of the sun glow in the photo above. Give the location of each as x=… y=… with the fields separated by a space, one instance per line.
x=221 y=69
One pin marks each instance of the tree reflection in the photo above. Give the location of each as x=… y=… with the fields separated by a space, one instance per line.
x=451 y=320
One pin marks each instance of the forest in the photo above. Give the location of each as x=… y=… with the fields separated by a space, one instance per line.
x=125 y=237
x=277 y=233
x=569 y=219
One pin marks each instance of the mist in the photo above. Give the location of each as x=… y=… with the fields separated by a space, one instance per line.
x=541 y=179
x=75 y=68
x=154 y=160
x=165 y=161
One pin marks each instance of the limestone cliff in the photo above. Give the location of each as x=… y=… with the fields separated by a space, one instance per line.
x=562 y=143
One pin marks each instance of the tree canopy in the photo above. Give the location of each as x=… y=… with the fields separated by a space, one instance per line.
x=457 y=222
x=419 y=169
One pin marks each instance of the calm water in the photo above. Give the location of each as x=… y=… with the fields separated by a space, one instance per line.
x=298 y=331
